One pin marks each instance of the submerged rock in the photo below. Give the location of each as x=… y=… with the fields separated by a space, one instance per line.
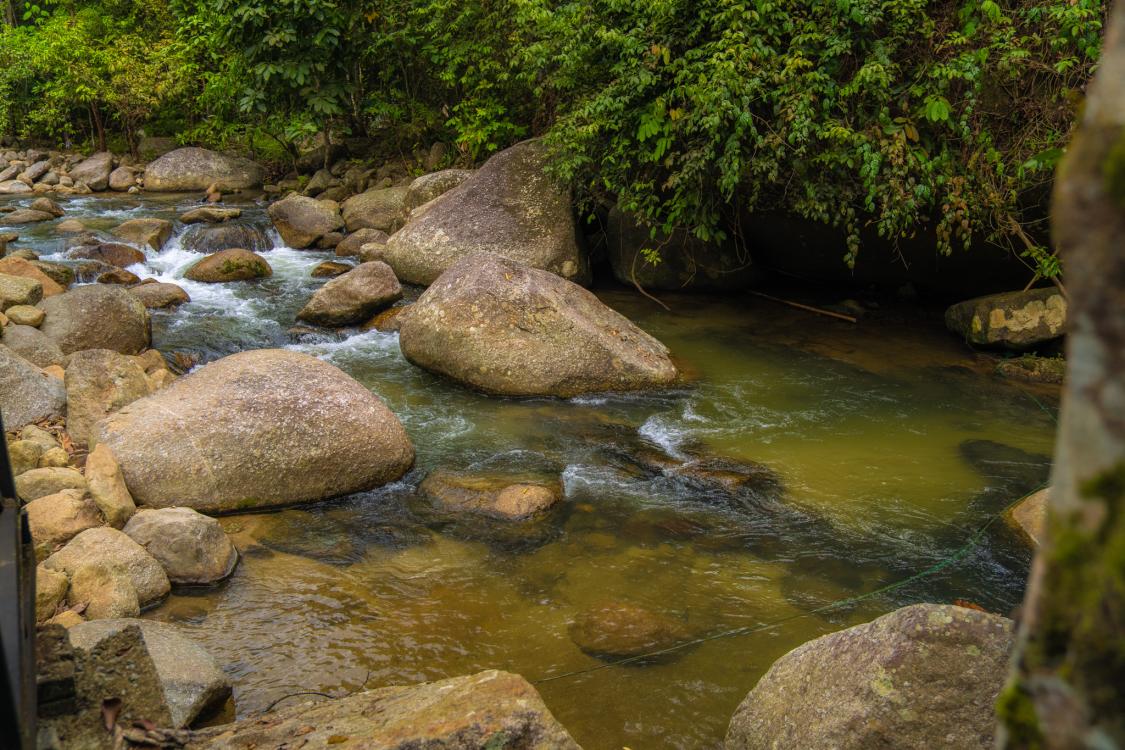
x=621 y=630
x=498 y=495
x=255 y=429
x=99 y=316
x=234 y=264
x=922 y=676
x=494 y=710
x=197 y=169
x=192 y=680
x=353 y=297
x=504 y=328
x=1018 y=320
x=509 y=207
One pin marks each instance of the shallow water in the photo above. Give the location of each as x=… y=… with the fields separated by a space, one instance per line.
x=892 y=444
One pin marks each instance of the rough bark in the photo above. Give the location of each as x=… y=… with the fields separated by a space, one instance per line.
x=1068 y=676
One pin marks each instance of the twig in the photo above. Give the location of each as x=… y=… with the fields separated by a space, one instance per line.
x=810 y=308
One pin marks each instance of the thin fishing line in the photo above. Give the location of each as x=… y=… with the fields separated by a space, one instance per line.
x=937 y=567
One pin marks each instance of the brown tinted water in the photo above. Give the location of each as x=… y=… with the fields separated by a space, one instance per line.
x=891 y=441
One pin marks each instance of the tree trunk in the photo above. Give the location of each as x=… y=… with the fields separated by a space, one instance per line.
x=99 y=127
x=1068 y=684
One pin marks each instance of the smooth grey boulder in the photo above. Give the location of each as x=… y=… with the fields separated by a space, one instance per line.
x=27 y=394
x=256 y=429
x=111 y=547
x=196 y=169
x=302 y=221
x=482 y=711
x=1016 y=320
x=33 y=345
x=192 y=680
x=94 y=171
x=98 y=316
x=503 y=328
x=353 y=297
x=509 y=206
x=192 y=547
x=927 y=675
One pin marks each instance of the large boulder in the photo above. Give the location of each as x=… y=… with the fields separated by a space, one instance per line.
x=33 y=345
x=94 y=171
x=98 y=383
x=235 y=264
x=353 y=297
x=1016 y=320
x=56 y=519
x=27 y=394
x=111 y=547
x=256 y=429
x=196 y=169
x=503 y=328
x=686 y=262
x=34 y=270
x=302 y=221
x=923 y=676
x=151 y=232
x=509 y=207
x=191 y=678
x=429 y=186
x=99 y=316
x=380 y=208
x=192 y=547
x=490 y=709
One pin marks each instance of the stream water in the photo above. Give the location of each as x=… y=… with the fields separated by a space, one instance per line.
x=892 y=443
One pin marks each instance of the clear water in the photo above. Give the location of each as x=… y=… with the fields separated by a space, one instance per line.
x=892 y=442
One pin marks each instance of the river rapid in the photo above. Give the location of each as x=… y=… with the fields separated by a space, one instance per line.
x=892 y=441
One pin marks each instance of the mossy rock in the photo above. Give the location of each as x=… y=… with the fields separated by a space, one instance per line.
x=234 y=264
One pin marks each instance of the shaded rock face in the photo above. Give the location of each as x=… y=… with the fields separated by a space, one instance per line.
x=621 y=630
x=111 y=547
x=375 y=209
x=496 y=495
x=211 y=238
x=922 y=676
x=94 y=171
x=196 y=169
x=255 y=429
x=96 y=317
x=503 y=328
x=191 y=679
x=159 y=295
x=32 y=344
x=98 y=383
x=508 y=207
x=353 y=297
x=302 y=221
x=494 y=710
x=234 y=264
x=27 y=394
x=1016 y=320
x=685 y=261
x=192 y=547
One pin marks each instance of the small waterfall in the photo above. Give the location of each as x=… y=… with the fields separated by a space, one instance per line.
x=211 y=238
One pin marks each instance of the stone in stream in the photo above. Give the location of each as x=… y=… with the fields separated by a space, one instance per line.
x=210 y=215
x=192 y=547
x=112 y=547
x=510 y=497
x=98 y=383
x=192 y=169
x=351 y=244
x=614 y=630
x=70 y=226
x=509 y=207
x=152 y=232
x=27 y=216
x=47 y=206
x=12 y=266
x=99 y=316
x=353 y=297
x=27 y=394
x=379 y=208
x=192 y=680
x=256 y=429
x=157 y=295
x=17 y=290
x=57 y=518
x=507 y=329
x=94 y=171
x=329 y=269
x=110 y=253
x=211 y=238
x=107 y=487
x=302 y=221
x=927 y=675
x=1016 y=320
x=118 y=276
x=490 y=709
x=1028 y=518
x=234 y=264
x=32 y=344
x=387 y=321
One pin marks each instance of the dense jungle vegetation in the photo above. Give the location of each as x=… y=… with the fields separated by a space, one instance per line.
x=859 y=113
